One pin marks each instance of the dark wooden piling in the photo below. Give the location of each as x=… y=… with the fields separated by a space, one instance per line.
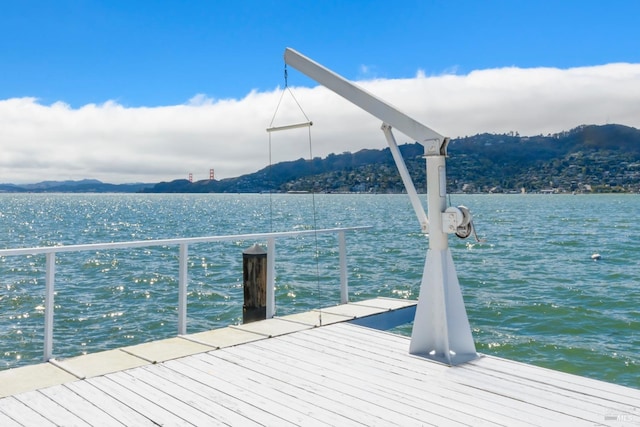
x=254 y=269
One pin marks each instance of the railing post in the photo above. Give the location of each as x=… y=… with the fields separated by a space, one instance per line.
x=344 y=285
x=48 y=305
x=271 y=273
x=182 y=289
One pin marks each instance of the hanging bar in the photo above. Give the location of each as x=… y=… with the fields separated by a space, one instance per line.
x=287 y=127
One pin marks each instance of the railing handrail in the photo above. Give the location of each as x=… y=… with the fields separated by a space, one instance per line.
x=183 y=243
x=171 y=241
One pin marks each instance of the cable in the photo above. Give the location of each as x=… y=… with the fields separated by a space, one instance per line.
x=308 y=124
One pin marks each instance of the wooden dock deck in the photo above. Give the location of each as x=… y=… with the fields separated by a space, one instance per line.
x=287 y=371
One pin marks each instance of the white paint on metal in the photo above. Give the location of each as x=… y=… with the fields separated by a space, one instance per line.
x=452 y=218
x=270 y=310
x=344 y=281
x=287 y=127
x=49 y=304
x=361 y=97
x=169 y=242
x=441 y=329
x=406 y=179
x=182 y=288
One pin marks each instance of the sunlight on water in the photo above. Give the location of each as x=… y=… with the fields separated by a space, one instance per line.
x=532 y=290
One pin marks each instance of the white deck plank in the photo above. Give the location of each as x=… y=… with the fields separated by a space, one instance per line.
x=542 y=394
x=409 y=376
x=328 y=407
x=408 y=372
x=400 y=383
x=50 y=409
x=174 y=384
x=5 y=421
x=270 y=396
x=23 y=414
x=246 y=412
x=231 y=395
x=78 y=405
x=370 y=379
x=583 y=397
x=346 y=396
x=176 y=406
x=149 y=409
x=480 y=385
x=293 y=366
x=117 y=410
x=73 y=402
x=555 y=392
x=339 y=374
x=626 y=395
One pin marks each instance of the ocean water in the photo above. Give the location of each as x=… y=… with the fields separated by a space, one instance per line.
x=531 y=289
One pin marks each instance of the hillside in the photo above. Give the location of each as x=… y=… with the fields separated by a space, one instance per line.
x=585 y=159
x=588 y=158
x=82 y=186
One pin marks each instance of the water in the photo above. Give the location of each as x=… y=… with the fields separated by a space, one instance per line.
x=532 y=291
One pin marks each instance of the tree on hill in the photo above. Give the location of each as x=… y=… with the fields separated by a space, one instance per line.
x=604 y=158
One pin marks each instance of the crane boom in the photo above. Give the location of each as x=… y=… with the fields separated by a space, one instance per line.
x=362 y=98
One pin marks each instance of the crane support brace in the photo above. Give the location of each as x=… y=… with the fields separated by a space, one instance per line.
x=406 y=178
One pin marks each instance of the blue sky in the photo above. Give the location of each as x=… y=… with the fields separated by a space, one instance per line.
x=150 y=53
x=86 y=64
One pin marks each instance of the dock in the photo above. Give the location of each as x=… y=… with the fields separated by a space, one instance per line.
x=315 y=368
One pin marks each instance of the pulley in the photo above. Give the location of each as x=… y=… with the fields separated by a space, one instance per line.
x=459 y=221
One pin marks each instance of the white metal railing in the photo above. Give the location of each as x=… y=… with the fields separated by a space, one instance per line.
x=183 y=243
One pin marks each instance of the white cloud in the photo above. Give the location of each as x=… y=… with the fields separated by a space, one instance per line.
x=117 y=144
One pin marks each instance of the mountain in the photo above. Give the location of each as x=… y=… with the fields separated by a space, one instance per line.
x=587 y=158
x=46 y=185
x=81 y=186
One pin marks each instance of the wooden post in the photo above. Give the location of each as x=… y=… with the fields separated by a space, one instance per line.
x=254 y=269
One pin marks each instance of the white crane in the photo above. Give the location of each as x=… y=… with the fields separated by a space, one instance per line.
x=441 y=329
